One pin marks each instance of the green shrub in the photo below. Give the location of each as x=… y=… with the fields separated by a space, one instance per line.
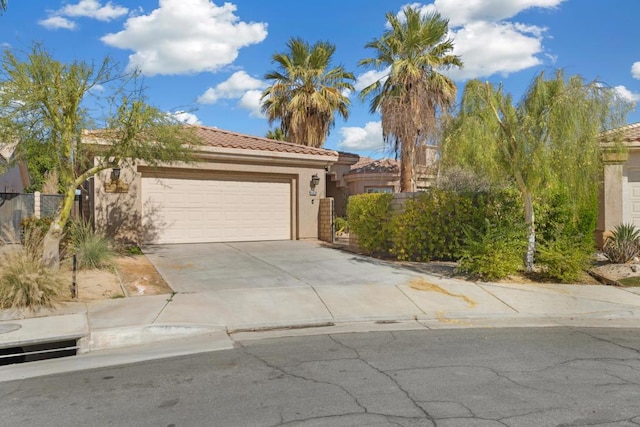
x=429 y=227
x=493 y=251
x=24 y=281
x=29 y=224
x=565 y=258
x=623 y=244
x=93 y=250
x=369 y=217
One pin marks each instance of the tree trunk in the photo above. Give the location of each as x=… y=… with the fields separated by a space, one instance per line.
x=531 y=241
x=406 y=168
x=51 y=242
x=51 y=246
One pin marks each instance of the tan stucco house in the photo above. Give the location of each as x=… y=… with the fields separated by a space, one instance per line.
x=240 y=188
x=620 y=194
x=357 y=175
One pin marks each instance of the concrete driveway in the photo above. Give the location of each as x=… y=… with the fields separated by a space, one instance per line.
x=278 y=264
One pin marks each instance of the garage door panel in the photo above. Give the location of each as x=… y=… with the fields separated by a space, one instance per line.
x=191 y=211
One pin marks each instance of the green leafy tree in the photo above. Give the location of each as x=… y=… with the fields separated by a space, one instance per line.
x=546 y=144
x=416 y=50
x=42 y=108
x=305 y=93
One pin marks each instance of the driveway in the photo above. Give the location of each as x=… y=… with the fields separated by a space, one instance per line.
x=278 y=264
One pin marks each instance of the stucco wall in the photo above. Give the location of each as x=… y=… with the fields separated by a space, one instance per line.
x=120 y=213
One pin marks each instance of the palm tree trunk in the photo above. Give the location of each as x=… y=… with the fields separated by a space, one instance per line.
x=531 y=241
x=406 y=168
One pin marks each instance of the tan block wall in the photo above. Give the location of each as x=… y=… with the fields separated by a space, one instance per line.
x=326 y=230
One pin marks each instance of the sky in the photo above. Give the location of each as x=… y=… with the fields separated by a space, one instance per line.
x=204 y=61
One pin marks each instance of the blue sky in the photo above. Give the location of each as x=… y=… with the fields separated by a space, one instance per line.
x=206 y=59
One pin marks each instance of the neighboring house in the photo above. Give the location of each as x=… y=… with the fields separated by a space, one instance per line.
x=365 y=175
x=13 y=205
x=240 y=188
x=620 y=194
x=15 y=178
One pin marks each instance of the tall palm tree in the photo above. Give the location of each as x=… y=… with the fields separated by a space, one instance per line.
x=305 y=92
x=415 y=49
x=3 y=5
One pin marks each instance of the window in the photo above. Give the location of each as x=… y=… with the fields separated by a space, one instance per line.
x=379 y=189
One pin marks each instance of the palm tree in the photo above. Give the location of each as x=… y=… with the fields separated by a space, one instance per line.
x=3 y=5
x=305 y=93
x=415 y=49
x=276 y=134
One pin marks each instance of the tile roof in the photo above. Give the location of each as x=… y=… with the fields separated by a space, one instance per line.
x=629 y=133
x=215 y=137
x=369 y=165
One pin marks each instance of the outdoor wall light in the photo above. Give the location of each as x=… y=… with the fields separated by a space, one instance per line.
x=315 y=180
x=115 y=174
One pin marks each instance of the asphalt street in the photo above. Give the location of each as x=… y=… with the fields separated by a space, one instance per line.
x=463 y=377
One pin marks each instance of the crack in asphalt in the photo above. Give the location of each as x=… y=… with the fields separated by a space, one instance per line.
x=387 y=375
x=247 y=352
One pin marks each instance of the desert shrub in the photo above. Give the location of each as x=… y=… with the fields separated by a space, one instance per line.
x=429 y=227
x=24 y=280
x=369 y=217
x=623 y=244
x=496 y=239
x=93 y=249
x=564 y=258
x=494 y=250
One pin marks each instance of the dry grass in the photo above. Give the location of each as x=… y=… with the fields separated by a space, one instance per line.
x=24 y=281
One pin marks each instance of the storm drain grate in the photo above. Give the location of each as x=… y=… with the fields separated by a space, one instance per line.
x=40 y=351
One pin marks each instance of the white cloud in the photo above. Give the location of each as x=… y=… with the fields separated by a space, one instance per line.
x=93 y=9
x=635 y=70
x=186 y=118
x=462 y=12
x=185 y=37
x=491 y=48
x=234 y=87
x=626 y=94
x=251 y=101
x=362 y=139
x=57 y=22
x=487 y=40
x=370 y=77
x=59 y=19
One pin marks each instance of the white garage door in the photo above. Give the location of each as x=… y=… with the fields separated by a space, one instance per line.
x=197 y=210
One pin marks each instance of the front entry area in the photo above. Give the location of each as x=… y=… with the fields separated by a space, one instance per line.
x=202 y=210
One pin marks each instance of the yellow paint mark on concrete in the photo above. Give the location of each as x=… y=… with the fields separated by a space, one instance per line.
x=442 y=318
x=422 y=285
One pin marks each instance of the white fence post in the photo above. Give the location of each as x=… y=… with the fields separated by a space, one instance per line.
x=36 y=204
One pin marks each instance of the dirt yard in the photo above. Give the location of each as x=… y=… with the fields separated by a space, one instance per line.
x=133 y=276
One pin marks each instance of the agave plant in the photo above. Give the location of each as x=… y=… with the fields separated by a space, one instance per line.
x=623 y=245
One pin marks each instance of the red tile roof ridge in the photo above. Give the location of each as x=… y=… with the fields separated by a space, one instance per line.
x=629 y=133
x=369 y=165
x=260 y=143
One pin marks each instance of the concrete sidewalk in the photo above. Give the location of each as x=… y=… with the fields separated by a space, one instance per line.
x=428 y=300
